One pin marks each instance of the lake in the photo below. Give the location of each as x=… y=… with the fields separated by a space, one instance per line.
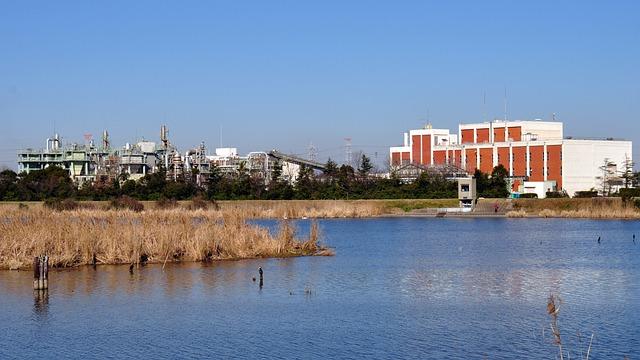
x=413 y=288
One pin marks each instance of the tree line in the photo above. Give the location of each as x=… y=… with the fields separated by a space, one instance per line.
x=335 y=182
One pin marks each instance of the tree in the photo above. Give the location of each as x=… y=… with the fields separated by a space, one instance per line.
x=179 y=190
x=279 y=188
x=214 y=182
x=8 y=185
x=241 y=185
x=498 y=182
x=276 y=171
x=304 y=184
x=608 y=174
x=365 y=166
x=129 y=188
x=494 y=186
x=151 y=186
x=627 y=172
x=331 y=169
x=482 y=183
x=50 y=182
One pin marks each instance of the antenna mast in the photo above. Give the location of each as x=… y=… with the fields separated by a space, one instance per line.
x=505 y=103
x=484 y=106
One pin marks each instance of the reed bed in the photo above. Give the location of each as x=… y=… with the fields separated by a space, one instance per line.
x=295 y=209
x=271 y=209
x=72 y=238
x=596 y=208
x=517 y=214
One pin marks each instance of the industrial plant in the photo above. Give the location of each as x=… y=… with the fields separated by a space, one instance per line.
x=89 y=162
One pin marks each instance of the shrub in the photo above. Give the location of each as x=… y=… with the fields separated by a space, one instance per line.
x=636 y=203
x=557 y=194
x=61 y=204
x=629 y=194
x=165 y=203
x=529 y=196
x=126 y=202
x=200 y=203
x=585 y=194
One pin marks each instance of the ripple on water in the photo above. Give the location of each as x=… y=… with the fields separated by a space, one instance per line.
x=397 y=288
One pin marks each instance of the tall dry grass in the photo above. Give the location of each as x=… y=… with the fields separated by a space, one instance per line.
x=291 y=209
x=596 y=208
x=294 y=209
x=517 y=214
x=72 y=238
x=274 y=209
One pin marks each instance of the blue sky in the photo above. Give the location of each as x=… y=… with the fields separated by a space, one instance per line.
x=282 y=74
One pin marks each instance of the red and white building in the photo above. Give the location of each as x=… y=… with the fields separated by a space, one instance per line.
x=533 y=151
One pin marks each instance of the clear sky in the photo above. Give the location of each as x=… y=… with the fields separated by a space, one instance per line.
x=282 y=74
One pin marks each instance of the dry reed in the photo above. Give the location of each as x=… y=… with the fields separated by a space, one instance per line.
x=596 y=208
x=517 y=214
x=72 y=238
x=280 y=209
x=309 y=208
x=553 y=308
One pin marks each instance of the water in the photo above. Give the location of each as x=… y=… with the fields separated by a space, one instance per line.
x=397 y=288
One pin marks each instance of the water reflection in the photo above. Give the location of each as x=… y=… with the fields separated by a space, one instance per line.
x=397 y=288
x=41 y=303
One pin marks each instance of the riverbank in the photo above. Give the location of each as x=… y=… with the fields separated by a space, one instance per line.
x=595 y=208
x=278 y=209
x=77 y=237
x=591 y=208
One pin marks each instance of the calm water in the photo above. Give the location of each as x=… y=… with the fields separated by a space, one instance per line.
x=397 y=288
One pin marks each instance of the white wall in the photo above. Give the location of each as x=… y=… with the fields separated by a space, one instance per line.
x=545 y=130
x=540 y=188
x=581 y=160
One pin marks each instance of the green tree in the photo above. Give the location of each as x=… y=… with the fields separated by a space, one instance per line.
x=50 y=182
x=498 y=182
x=179 y=190
x=8 y=185
x=276 y=171
x=331 y=168
x=627 y=172
x=482 y=183
x=151 y=186
x=304 y=185
x=214 y=182
x=494 y=186
x=365 y=166
x=129 y=188
x=241 y=185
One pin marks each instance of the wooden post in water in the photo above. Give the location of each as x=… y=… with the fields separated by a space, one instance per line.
x=45 y=278
x=36 y=273
x=41 y=272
